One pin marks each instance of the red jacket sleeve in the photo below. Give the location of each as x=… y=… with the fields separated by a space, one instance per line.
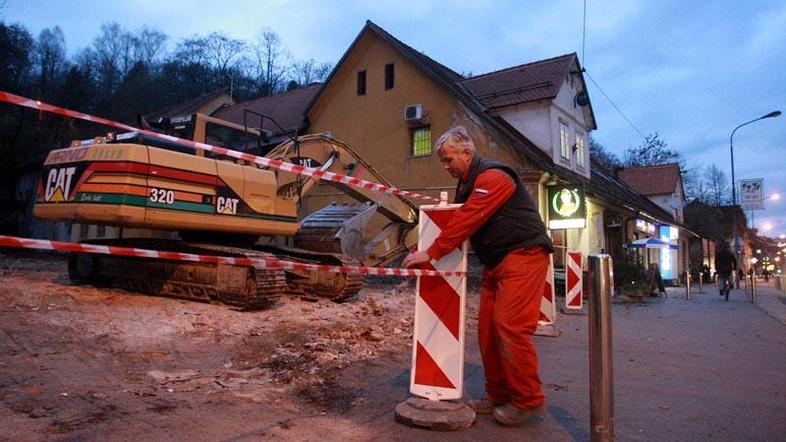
x=492 y=188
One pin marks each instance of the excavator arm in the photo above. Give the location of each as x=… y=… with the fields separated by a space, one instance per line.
x=374 y=232
x=326 y=153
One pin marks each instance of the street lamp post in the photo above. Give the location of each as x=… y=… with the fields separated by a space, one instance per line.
x=772 y=114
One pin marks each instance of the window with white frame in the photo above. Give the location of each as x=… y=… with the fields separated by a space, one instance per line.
x=564 y=139
x=580 y=149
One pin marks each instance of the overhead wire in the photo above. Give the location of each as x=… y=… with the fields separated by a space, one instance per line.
x=619 y=111
x=584 y=34
x=584 y=69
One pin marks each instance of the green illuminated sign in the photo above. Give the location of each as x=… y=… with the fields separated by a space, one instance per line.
x=566 y=208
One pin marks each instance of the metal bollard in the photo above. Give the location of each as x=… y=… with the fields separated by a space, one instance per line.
x=600 y=354
x=745 y=280
x=753 y=289
x=687 y=286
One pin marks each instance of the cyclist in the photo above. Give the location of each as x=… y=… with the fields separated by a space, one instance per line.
x=725 y=263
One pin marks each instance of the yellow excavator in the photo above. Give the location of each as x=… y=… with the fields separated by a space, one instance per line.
x=217 y=205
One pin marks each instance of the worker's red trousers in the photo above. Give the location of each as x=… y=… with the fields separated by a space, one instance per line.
x=509 y=310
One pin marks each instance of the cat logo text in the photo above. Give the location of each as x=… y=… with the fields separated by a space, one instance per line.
x=226 y=206
x=58 y=184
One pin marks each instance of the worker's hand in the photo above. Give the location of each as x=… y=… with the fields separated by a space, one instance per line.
x=416 y=258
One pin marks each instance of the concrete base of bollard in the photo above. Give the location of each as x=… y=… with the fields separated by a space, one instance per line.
x=435 y=415
x=572 y=311
x=549 y=331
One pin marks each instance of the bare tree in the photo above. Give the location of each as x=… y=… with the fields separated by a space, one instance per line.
x=717 y=185
x=698 y=190
x=222 y=52
x=16 y=45
x=652 y=151
x=149 y=45
x=112 y=49
x=309 y=71
x=190 y=51
x=603 y=156
x=50 y=59
x=273 y=62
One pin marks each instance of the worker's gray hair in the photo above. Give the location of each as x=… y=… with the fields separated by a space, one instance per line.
x=458 y=136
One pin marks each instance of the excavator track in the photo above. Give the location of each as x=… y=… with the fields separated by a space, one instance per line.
x=314 y=285
x=318 y=231
x=242 y=287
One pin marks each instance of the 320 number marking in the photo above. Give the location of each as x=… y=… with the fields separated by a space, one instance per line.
x=162 y=196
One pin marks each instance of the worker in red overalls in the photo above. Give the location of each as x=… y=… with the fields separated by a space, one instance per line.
x=509 y=238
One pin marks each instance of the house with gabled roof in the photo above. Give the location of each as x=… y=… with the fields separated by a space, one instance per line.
x=204 y=104
x=390 y=102
x=661 y=183
x=546 y=101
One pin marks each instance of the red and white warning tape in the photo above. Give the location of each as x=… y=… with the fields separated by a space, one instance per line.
x=262 y=161
x=28 y=243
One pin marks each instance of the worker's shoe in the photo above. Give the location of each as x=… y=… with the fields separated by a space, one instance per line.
x=482 y=406
x=511 y=416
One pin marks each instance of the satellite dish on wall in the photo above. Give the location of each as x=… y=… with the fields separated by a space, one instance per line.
x=582 y=99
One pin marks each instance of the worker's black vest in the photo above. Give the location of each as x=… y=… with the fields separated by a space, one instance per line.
x=515 y=225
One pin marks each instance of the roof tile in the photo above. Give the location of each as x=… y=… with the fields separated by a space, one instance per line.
x=287 y=109
x=520 y=84
x=652 y=180
x=187 y=107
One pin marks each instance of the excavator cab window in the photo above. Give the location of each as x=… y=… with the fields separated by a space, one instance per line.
x=223 y=136
x=183 y=130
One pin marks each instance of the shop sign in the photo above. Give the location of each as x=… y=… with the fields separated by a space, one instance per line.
x=668 y=257
x=567 y=208
x=645 y=226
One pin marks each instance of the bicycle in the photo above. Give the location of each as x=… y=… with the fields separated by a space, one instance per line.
x=724 y=285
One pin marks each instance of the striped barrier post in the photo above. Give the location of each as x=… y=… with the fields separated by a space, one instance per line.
x=574 y=280
x=438 y=339
x=548 y=305
x=437 y=375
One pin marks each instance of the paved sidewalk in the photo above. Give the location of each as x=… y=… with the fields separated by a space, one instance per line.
x=703 y=369
x=773 y=302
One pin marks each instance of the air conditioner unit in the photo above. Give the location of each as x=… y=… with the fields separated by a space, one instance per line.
x=415 y=114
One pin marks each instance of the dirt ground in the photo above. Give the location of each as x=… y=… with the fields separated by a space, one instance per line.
x=85 y=363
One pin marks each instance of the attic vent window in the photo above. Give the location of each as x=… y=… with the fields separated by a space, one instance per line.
x=389 y=76
x=362 y=83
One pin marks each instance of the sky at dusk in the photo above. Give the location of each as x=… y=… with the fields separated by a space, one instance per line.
x=690 y=71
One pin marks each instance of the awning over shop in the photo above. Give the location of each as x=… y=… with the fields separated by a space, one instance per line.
x=651 y=243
